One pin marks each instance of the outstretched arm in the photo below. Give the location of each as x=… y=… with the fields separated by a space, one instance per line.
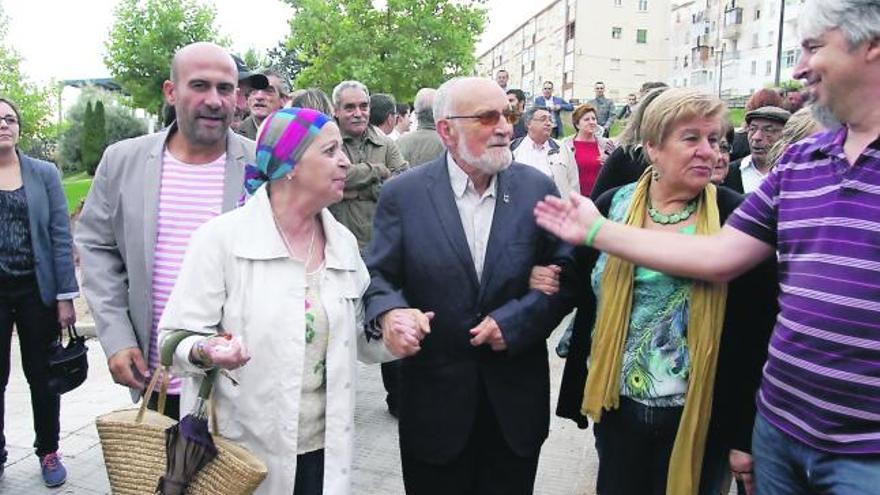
x=718 y=258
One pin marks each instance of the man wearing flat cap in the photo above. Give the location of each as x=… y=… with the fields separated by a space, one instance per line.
x=764 y=127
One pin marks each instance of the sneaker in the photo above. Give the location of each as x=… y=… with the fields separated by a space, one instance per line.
x=54 y=473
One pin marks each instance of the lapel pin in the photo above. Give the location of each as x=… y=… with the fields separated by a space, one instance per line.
x=506 y=198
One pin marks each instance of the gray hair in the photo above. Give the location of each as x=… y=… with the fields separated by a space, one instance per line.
x=423 y=106
x=443 y=101
x=285 y=86
x=347 y=85
x=858 y=20
x=530 y=112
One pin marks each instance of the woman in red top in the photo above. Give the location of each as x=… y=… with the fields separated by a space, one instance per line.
x=589 y=147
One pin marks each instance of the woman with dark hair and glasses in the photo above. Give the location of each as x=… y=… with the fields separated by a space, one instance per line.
x=722 y=166
x=37 y=282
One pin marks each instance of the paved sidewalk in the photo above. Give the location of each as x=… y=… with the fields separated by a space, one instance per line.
x=567 y=466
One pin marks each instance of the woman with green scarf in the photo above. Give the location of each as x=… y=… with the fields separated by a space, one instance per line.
x=653 y=349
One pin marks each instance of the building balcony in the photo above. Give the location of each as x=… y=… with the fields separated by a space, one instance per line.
x=733 y=23
x=700 y=53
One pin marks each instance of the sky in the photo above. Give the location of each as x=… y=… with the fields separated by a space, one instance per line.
x=69 y=43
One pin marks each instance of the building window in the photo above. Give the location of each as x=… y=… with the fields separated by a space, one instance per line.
x=790 y=58
x=643 y=5
x=641 y=36
x=754 y=67
x=640 y=68
x=755 y=41
x=769 y=67
x=616 y=33
x=618 y=3
x=757 y=13
x=569 y=31
x=675 y=63
x=685 y=64
x=771 y=38
x=615 y=64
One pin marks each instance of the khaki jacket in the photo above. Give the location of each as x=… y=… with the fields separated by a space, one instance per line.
x=420 y=146
x=373 y=160
x=237 y=275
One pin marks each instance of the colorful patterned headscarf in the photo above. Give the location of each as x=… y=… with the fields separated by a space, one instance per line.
x=284 y=137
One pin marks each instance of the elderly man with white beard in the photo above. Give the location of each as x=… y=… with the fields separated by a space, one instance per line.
x=453 y=245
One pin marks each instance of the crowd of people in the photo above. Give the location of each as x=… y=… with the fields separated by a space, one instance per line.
x=722 y=280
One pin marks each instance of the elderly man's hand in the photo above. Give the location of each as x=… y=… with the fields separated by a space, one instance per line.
x=403 y=330
x=488 y=332
x=128 y=367
x=545 y=279
x=742 y=467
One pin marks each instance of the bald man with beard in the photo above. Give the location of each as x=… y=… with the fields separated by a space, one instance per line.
x=453 y=245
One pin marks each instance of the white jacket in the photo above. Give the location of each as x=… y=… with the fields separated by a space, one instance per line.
x=237 y=276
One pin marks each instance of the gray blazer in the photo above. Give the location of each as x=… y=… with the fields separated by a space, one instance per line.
x=50 y=230
x=116 y=234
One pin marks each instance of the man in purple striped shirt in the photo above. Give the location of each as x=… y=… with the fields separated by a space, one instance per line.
x=818 y=425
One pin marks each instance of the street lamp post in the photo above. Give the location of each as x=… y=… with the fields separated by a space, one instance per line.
x=779 y=43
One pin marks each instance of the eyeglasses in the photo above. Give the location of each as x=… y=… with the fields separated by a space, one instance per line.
x=10 y=119
x=766 y=129
x=489 y=117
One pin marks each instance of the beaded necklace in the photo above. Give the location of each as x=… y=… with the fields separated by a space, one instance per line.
x=672 y=218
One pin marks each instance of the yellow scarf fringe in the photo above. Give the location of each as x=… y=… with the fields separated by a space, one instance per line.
x=707 y=302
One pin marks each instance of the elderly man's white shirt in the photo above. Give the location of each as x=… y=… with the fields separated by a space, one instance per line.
x=476 y=211
x=534 y=154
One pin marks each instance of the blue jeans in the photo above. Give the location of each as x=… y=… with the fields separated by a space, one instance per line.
x=784 y=465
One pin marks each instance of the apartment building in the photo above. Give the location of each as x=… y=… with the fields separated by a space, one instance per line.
x=729 y=47
x=575 y=43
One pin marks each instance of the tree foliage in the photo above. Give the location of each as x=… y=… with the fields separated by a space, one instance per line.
x=143 y=39
x=397 y=49
x=94 y=136
x=284 y=60
x=32 y=100
x=120 y=123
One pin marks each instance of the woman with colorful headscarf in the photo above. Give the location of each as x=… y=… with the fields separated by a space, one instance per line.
x=275 y=289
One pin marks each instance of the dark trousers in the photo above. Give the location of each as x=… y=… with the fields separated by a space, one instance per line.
x=309 y=473
x=391 y=380
x=487 y=466
x=172 y=405
x=634 y=443
x=37 y=327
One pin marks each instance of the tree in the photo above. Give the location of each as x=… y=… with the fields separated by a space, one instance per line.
x=32 y=100
x=143 y=39
x=284 y=60
x=397 y=49
x=120 y=123
x=94 y=137
x=254 y=59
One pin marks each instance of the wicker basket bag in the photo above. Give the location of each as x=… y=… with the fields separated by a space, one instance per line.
x=133 y=441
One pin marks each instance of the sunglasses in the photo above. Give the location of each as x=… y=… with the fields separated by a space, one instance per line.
x=489 y=117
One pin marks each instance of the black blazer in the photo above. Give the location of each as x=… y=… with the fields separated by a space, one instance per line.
x=51 y=241
x=748 y=322
x=734 y=179
x=419 y=258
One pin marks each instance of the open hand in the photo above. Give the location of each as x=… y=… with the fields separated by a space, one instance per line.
x=569 y=219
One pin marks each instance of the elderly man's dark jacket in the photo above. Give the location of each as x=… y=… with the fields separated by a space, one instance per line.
x=419 y=258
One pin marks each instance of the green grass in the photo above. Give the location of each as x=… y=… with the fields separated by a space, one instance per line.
x=76 y=186
x=737 y=116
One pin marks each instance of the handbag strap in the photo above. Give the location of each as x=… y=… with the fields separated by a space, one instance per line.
x=72 y=334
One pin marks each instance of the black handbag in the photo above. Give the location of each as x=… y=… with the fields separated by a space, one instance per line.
x=68 y=365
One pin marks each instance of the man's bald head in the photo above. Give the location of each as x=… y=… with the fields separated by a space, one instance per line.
x=201 y=50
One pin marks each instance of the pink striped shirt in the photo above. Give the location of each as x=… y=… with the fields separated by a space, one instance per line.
x=189 y=195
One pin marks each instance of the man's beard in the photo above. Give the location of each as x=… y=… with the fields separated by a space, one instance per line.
x=824 y=115
x=490 y=162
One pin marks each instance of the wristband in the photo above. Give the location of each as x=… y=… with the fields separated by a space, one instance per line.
x=594 y=229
